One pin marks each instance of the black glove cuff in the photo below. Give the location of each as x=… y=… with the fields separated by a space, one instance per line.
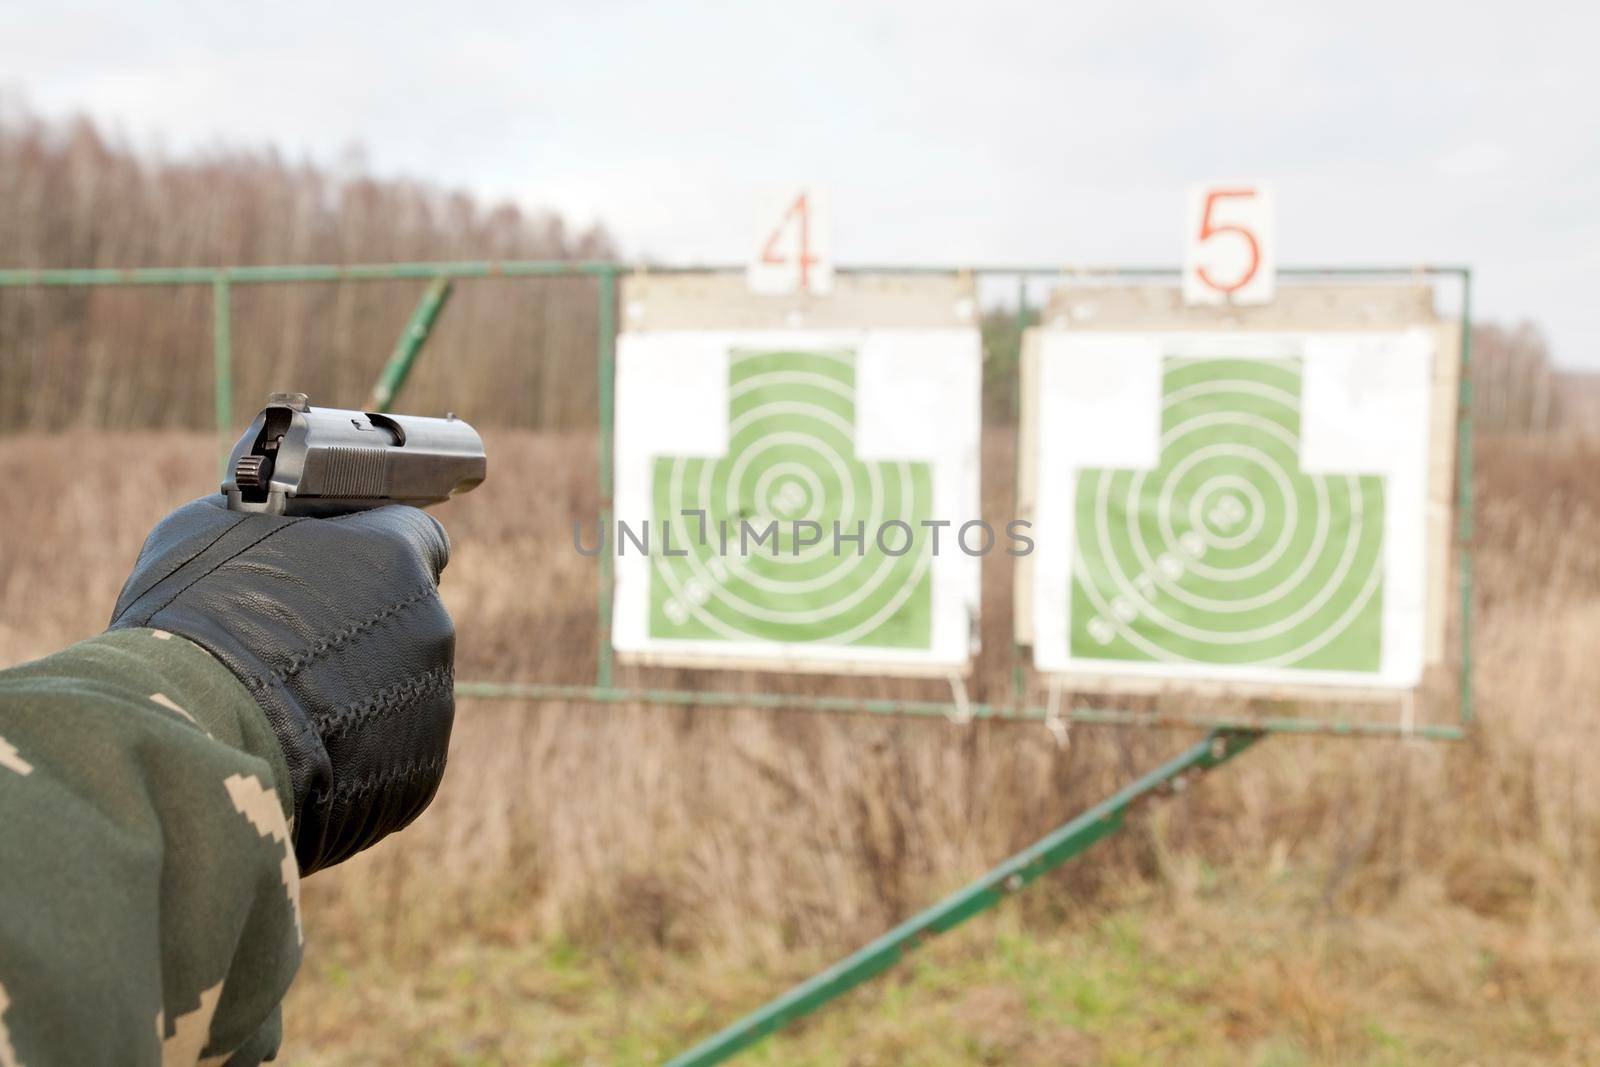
x=335 y=627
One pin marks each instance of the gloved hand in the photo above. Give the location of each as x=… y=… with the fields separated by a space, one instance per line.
x=335 y=627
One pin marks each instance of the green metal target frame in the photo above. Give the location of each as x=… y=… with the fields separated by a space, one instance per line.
x=442 y=276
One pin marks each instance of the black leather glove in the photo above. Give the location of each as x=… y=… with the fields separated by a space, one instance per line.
x=336 y=628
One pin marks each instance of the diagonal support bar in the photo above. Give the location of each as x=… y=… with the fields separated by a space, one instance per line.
x=395 y=372
x=222 y=367
x=1049 y=852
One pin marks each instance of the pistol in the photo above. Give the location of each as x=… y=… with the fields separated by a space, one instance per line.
x=299 y=460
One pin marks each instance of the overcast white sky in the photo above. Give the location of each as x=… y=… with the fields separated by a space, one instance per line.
x=969 y=132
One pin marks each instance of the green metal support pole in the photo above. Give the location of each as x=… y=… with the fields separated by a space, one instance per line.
x=366 y=272
x=1464 y=496
x=606 y=359
x=398 y=369
x=1044 y=855
x=600 y=696
x=311 y=272
x=1019 y=678
x=222 y=363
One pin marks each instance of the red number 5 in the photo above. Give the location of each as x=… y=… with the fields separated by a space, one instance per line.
x=1209 y=230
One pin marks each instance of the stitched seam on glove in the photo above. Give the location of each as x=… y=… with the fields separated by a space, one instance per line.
x=220 y=563
x=337 y=723
x=380 y=780
x=202 y=550
x=301 y=660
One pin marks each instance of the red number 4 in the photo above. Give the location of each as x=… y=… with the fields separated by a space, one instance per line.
x=1208 y=230
x=800 y=212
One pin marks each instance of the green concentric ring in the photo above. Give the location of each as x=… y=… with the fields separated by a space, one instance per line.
x=791 y=456
x=1227 y=553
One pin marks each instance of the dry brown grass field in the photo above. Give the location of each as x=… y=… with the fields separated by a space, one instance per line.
x=605 y=884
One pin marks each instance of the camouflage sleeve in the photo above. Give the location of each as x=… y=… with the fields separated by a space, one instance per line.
x=149 y=897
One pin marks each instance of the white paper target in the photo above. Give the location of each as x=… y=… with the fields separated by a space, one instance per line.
x=821 y=436
x=1233 y=507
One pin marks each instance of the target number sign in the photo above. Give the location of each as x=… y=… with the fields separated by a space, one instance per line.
x=1231 y=256
x=791 y=253
x=1258 y=516
x=798 y=471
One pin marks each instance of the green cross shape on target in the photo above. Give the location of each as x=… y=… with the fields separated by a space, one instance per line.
x=791 y=458
x=1227 y=553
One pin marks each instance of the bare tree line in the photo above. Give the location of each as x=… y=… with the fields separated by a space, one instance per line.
x=514 y=352
x=517 y=352
x=1515 y=386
